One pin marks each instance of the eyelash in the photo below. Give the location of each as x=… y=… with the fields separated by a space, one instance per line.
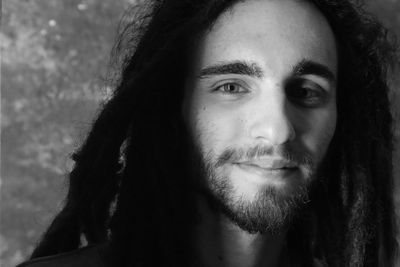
x=220 y=88
x=293 y=88
x=317 y=96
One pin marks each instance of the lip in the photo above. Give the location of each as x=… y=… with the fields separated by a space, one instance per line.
x=261 y=175
x=270 y=164
x=267 y=172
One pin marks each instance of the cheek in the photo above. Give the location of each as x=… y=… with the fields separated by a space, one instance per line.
x=214 y=129
x=320 y=133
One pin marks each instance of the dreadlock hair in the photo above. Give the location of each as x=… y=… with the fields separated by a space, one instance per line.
x=353 y=205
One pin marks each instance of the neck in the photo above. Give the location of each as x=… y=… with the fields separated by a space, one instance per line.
x=219 y=242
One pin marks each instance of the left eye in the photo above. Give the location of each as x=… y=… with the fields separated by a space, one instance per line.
x=305 y=93
x=230 y=88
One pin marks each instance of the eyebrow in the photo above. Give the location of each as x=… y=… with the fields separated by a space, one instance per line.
x=305 y=67
x=235 y=67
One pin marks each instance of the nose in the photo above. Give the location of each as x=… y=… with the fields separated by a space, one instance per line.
x=271 y=121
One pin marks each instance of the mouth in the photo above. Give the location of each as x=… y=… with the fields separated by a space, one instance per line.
x=262 y=175
x=267 y=169
x=270 y=164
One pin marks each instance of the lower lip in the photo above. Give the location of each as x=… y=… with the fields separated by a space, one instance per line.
x=267 y=173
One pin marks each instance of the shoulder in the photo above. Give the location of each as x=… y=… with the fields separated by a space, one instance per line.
x=84 y=257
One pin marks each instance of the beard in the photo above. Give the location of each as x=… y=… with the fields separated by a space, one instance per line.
x=271 y=209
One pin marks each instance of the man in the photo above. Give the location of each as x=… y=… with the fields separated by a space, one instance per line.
x=242 y=133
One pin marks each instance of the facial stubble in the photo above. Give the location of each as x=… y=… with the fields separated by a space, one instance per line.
x=270 y=211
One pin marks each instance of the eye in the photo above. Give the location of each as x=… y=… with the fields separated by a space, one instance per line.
x=231 y=88
x=306 y=93
x=303 y=93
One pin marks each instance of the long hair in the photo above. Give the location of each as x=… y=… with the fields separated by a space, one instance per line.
x=129 y=185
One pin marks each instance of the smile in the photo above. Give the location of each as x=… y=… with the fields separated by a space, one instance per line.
x=268 y=172
x=270 y=164
x=252 y=167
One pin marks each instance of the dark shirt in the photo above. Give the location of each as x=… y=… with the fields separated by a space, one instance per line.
x=90 y=256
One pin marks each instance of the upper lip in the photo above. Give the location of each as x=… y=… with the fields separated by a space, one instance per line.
x=270 y=163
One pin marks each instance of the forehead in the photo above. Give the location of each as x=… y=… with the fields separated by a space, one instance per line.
x=274 y=33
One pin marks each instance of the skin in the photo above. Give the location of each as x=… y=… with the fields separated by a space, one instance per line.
x=274 y=108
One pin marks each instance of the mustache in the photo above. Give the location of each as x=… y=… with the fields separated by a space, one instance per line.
x=231 y=155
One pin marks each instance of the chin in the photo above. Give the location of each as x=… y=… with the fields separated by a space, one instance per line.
x=258 y=204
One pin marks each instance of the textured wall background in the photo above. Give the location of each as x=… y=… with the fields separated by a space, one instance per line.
x=54 y=58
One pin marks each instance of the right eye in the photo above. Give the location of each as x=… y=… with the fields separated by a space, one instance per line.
x=230 y=88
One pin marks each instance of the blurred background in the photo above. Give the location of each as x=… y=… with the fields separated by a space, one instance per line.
x=55 y=60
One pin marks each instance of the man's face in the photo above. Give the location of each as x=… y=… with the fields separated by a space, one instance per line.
x=260 y=108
